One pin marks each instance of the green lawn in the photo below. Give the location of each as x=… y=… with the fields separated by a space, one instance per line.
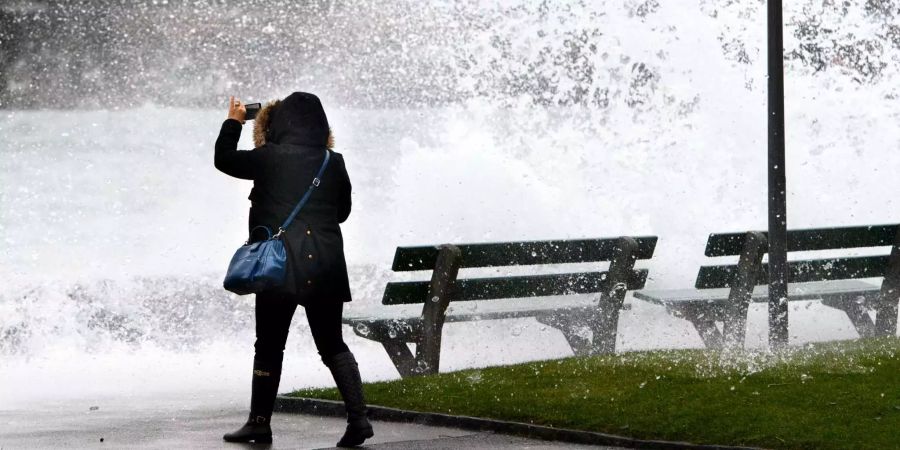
x=825 y=396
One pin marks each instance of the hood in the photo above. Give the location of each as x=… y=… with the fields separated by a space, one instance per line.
x=299 y=119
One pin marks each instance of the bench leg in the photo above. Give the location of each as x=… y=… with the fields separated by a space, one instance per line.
x=604 y=324
x=734 y=327
x=855 y=310
x=401 y=356
x=705 y=324
x=887 y=302
x=580 y=345
x=443 y=278
x=886 y=319
x=567 y=323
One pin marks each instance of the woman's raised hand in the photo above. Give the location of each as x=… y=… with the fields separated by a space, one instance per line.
x=236 y=110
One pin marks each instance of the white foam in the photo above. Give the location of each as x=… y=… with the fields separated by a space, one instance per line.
x=116 y=227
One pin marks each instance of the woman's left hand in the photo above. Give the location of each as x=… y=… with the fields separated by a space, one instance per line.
x=236 y=110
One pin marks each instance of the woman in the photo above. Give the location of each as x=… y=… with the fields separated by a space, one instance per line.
x=291 y=137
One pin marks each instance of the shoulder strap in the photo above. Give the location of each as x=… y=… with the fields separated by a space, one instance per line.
x=315 y=183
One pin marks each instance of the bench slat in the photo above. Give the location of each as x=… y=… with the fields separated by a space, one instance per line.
x=800 y=271
x=406 y=325
x=405 y=292
x=521 y=253
x=726 y=244
x=498 y=309
x=796 y=291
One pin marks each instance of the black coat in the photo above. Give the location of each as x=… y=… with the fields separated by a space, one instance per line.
x=282 y=170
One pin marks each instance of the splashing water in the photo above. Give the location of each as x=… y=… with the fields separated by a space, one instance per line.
x=459 y=122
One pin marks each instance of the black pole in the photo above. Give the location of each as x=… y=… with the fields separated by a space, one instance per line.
x=778 y=312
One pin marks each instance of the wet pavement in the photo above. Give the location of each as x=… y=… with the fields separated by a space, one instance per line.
x=168 y=424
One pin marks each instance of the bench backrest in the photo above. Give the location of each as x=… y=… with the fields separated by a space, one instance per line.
x=725 y=244
x=505 y=254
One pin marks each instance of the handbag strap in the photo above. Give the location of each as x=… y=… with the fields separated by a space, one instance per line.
x=315 y=183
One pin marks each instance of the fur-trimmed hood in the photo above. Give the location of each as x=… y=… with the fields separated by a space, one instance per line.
x=299 y=119
x=261 y=123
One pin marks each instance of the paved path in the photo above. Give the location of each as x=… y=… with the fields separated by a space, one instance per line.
x=170 y=424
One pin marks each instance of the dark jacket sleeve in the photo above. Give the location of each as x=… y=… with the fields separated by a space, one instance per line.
x=246 y=165
x=344 y=198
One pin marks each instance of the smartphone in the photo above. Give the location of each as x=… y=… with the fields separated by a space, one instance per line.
x=252 y=110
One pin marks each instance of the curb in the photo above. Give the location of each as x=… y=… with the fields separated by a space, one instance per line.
x=335 y=408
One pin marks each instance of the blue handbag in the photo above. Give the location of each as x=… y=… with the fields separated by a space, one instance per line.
x=262 y=266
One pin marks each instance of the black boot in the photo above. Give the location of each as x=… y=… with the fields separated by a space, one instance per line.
x=262 y=400
x=346 y=375
x=257 y=429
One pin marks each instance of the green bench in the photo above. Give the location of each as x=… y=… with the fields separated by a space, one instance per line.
x=415 y=311
x=723 y=293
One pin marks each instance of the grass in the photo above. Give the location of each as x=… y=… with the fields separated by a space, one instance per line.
x=824 y=396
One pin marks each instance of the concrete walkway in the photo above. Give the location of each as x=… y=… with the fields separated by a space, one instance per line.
x=168 y=424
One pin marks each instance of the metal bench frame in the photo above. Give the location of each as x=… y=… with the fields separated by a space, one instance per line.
x=426 y=331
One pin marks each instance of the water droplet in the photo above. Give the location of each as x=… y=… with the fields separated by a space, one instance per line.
x=362 y=329
x=435 y=299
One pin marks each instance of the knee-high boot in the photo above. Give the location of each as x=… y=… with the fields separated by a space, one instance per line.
x=345 y=371
x=262 y=400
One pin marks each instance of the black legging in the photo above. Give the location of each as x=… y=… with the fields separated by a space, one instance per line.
x=273 y=320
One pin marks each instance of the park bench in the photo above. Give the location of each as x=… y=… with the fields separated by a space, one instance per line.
x=723 y=293
x=569 y=302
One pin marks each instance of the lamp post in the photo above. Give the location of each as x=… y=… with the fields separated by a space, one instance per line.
x=778 y=311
